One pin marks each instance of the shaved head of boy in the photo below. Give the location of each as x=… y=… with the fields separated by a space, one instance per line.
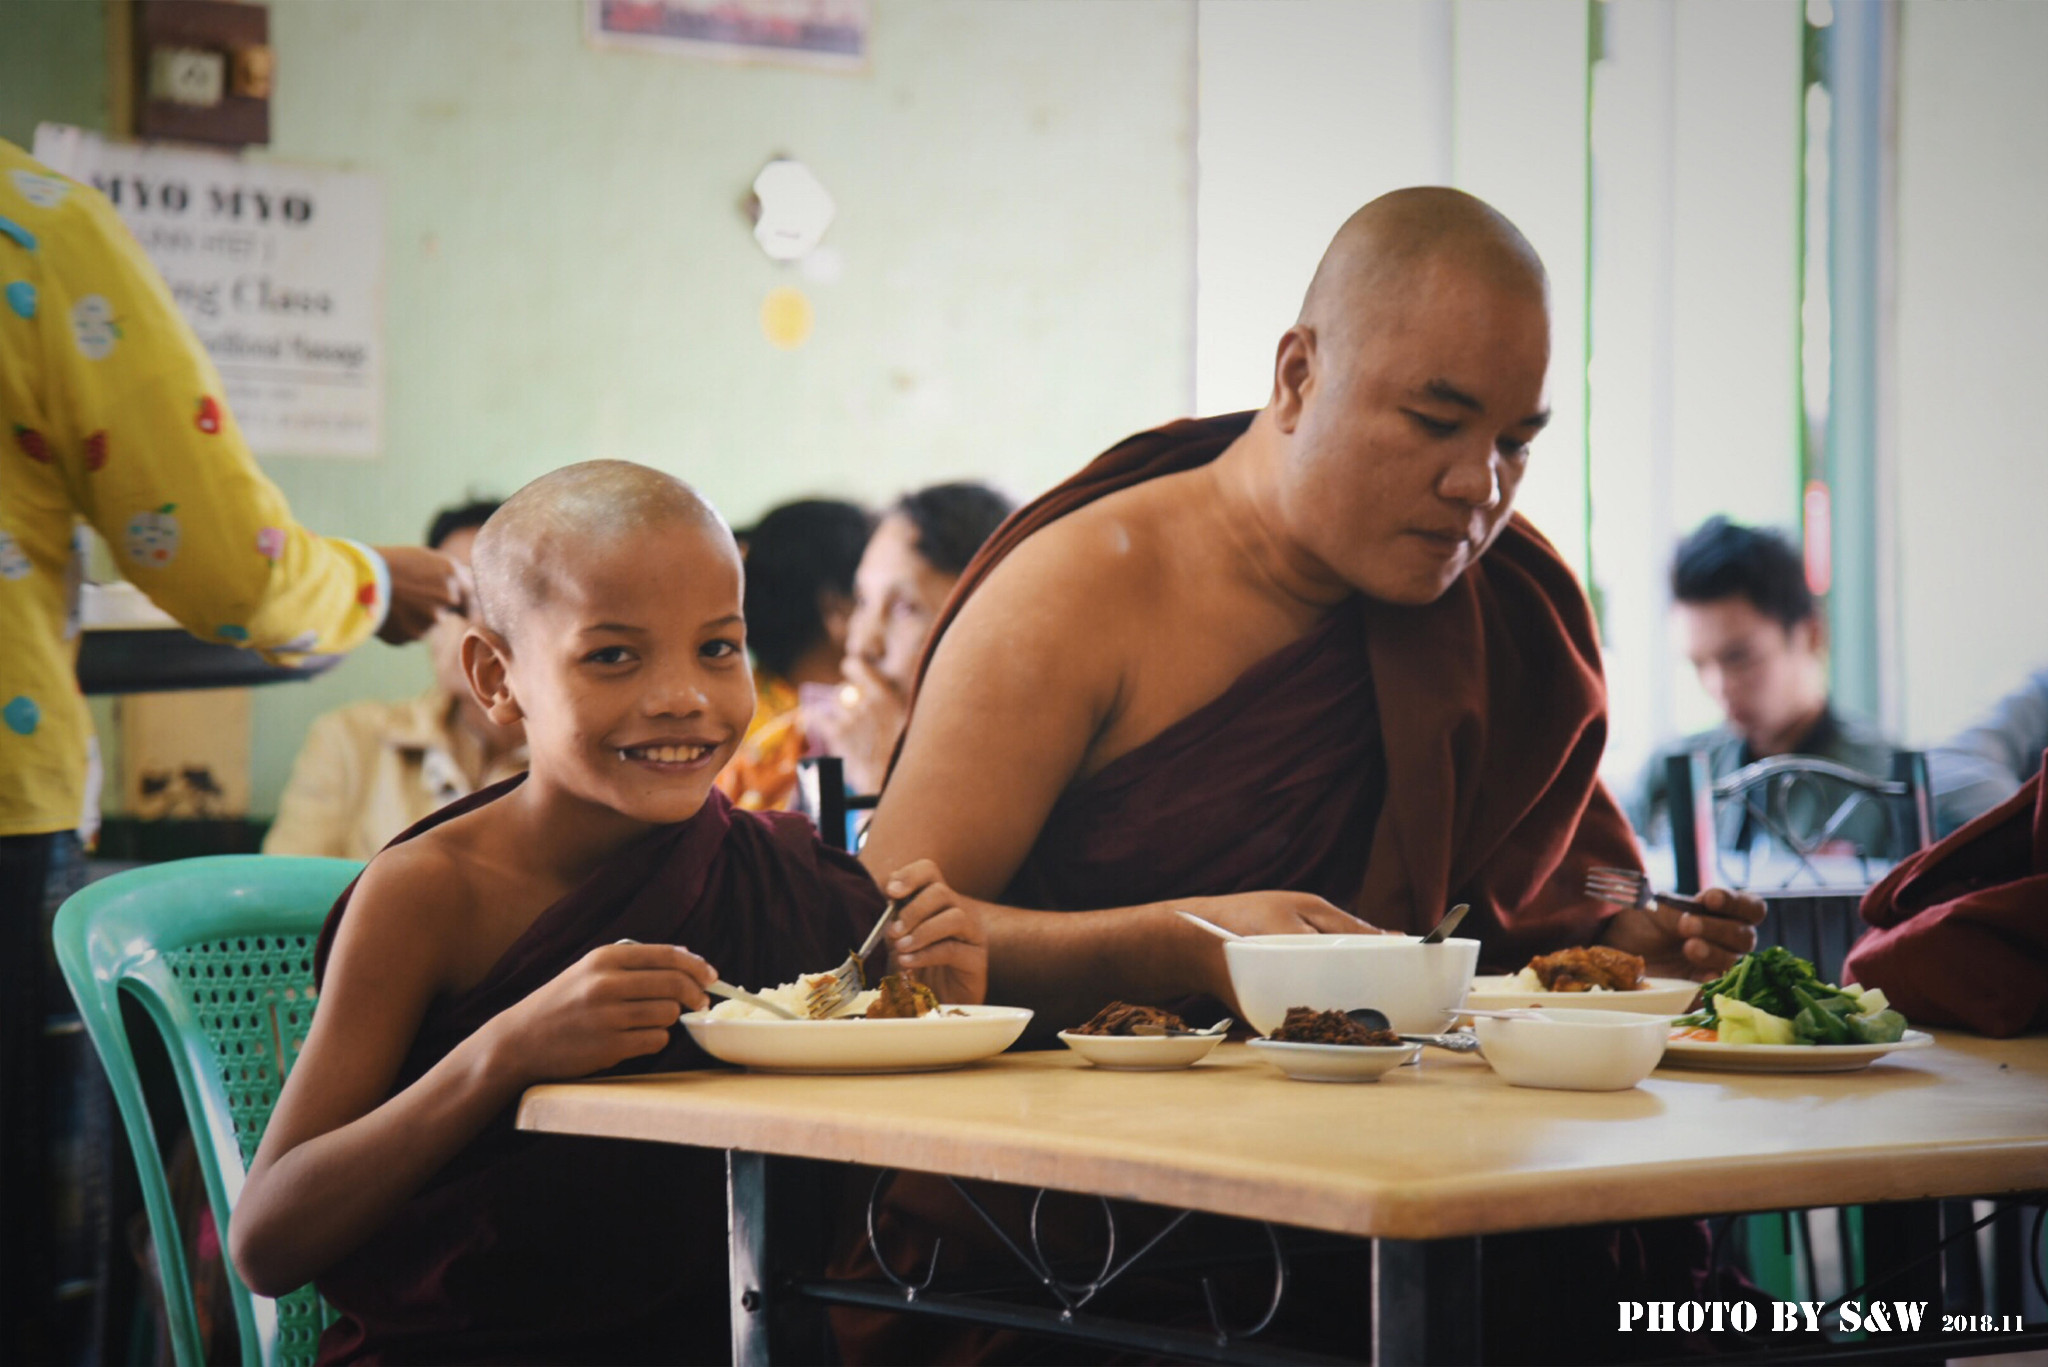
x=610 y=625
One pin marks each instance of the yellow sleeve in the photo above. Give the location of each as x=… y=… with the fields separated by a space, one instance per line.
x=156 y=463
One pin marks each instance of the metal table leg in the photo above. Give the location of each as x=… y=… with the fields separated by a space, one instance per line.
x=1425 y=1302
x=775 y=1234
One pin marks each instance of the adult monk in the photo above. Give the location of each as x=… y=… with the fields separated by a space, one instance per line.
x=1294 y=670
x=1290 y=669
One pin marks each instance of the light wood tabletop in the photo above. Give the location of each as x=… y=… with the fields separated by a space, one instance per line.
x=1440 y=1149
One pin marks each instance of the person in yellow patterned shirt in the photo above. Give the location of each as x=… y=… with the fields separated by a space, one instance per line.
x=112 y=415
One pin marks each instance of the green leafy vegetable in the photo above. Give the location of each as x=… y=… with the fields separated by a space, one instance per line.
x=1774 y=997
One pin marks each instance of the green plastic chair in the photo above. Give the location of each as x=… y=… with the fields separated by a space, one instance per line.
x=219 y=954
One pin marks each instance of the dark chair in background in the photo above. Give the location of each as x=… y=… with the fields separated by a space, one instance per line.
x=1823 y=834
x=822 y=796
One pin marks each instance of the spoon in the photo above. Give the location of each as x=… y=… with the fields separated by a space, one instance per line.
x=1218 y=931
x=1448 y=924
x=1457 y=1043
x=721 y=988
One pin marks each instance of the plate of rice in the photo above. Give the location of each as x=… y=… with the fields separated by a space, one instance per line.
x=942 y=1037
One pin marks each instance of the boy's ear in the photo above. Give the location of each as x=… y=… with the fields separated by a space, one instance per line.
x=486 y=658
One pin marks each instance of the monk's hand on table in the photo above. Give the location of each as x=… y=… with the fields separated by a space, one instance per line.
x=938 y=937
x=616 y=1002
x=1687 y=944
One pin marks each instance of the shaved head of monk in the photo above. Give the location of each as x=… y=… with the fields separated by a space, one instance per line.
x=552 y=524
x=610 y=626
x=1406 y=395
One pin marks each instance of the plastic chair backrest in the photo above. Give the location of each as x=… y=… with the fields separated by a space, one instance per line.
x=218 y=952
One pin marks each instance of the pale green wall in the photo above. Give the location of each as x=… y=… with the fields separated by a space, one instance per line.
x=570 y=275
x=53 y=66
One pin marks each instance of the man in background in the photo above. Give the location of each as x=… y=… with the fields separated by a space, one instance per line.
x=1986 y=762
x=1753 y=631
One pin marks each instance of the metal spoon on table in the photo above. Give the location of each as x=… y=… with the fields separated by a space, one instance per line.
x=1447 y=925
x=1457 y=1043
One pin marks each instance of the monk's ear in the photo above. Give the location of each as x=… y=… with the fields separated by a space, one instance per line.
x=486 y=663
x=1294 y=375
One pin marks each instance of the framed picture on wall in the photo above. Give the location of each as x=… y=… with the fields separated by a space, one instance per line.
x=816 y=33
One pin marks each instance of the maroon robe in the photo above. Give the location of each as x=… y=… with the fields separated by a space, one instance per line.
x=1959 y=931
x=1394 y=760
x=553 y=1248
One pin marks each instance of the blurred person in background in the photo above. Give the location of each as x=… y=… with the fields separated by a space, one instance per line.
x=1986 y=762
x=904 y=576
x=1753 y=631
x=800 y=560
x=370 y=770
x=112 y=414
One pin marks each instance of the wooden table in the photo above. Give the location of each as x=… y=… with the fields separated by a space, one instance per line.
x=1432 y=1156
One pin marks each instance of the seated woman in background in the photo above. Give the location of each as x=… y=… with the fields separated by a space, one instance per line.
x=800 y=558
x=906 y=573
x=370 y=770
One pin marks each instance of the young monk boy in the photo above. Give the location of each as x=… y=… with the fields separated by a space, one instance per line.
x=556 y=927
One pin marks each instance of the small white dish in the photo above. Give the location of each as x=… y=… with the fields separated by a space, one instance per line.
x=948 y=1038
x=1334 y=1062
x=1141 y=1053
x=1671 y=996
x=1574 y=1050
x=1785 y=1058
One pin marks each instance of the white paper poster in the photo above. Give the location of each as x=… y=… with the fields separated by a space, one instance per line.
x=279 y=269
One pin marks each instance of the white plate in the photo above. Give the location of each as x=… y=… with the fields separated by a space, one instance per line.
x=1141 y=1053
x=1334 y=1062
x=1662 y=997
x=1784 y=1058
x=923 y=1045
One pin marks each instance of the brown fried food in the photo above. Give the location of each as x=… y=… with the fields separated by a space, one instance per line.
x=1305 y=1025
x=902 y=998
x=1122 y=1018
x=1582 y=970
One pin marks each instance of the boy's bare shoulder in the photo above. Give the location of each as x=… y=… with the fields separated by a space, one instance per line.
x=421 y=889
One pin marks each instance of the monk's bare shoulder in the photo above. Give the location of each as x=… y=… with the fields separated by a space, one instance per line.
x=416 y=901
x=1114 y=550
x=1072 y=593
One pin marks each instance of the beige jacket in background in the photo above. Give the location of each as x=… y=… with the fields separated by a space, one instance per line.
x=368 y=771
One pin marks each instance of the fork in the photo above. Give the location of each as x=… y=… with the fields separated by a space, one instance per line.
x=831 y=993
x=1628 y=888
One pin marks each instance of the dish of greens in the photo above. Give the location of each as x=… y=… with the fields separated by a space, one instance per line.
x=1771 y=1012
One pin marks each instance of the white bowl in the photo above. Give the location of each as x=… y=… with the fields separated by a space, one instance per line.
x=1333 y=1062
x=1141 y=1053
x=1574 y=1050
x=1416 y=985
